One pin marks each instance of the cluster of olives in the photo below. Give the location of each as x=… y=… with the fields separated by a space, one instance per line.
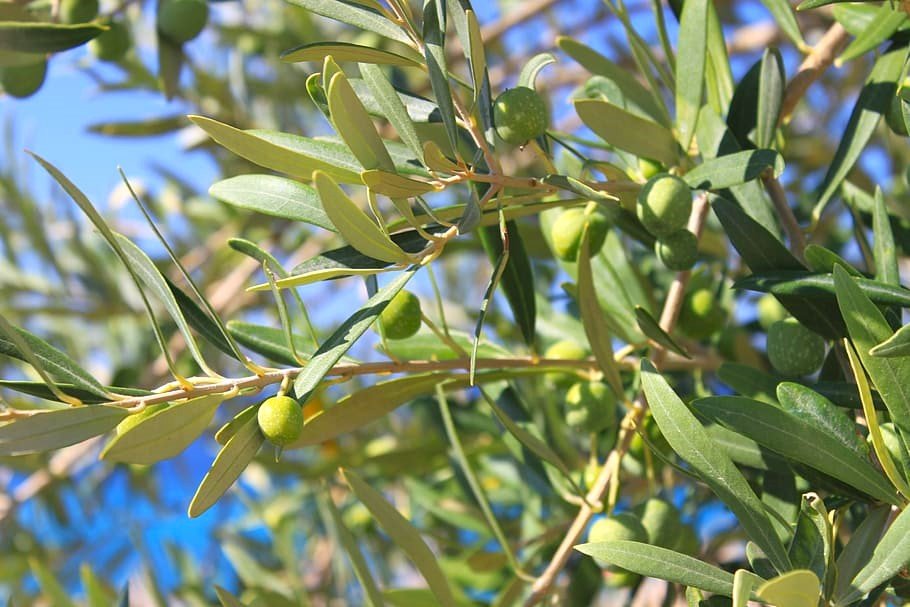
x=656 y=522
x=520 y=115
x=664 y=206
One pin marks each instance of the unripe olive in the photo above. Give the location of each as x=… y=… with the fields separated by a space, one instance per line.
x=182 y=20
x=133 y=420
x=793 y=349
x=619 y=527
x=661 y=520
x=591 y=406
x=78 y=11
x=702 y=314
x=566 y=349
x=280 y=419
x=23 y=80
x=677 y=250
x=112 y=44
x=770 y=311
x=568 y=228
x=401 y=317
x=621 y=579
x=649 y=168
x=520 y=115
x=664 y=204
x=894 y=117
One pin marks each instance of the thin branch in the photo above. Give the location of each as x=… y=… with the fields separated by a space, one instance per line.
x=820 y=59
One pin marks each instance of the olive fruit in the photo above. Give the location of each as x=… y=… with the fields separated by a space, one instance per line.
x=770 y=311
x=677 y=250
x=793 y=349
x=130 y=422
x=568 y=229
x=664 y=204
x=280 y=419
x=520 y=115
x=649 y=168
x=182 y=20
x=112 y=44
x=702 y=314
x=401 y=317
x=566 y=349
x=23 y=80
x=78 y=11
x=619 y=527
x=894 y=117
x=661 y=520
x=591 y=406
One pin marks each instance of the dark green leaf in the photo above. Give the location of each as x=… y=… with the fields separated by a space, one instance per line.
x=40 y=389
x=689 y=439
x=734 y=169
x=821 y=286
x=890 y=556
x=28 y=37
x=886 y=263
x=770 y=95
x=817 y=411
x=517 y=279
x=882 y=26
x=690 y=67
x=354 y=13
x=653 y=331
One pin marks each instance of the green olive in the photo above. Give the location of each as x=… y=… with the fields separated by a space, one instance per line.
x=793 y=349
x=702 y=315
x=619 y=527
x=520 y=115
x=568 y=229
x=401 y=318
x=664 y=204
x=591 y=406
x=770 y=311
x=113 y=44
x=649 y=168
x=182 y=20
x=280 y=419
x=661 y=520
x=677 y=250
x=23 y=81
x=894 y=117
x=566 y=349
x=78 y=11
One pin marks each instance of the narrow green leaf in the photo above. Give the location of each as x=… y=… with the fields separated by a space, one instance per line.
x=41 y=390
x=628 y=132
x=873 y=102
x=653 y=331
x=734 y=169
x=661 y=563
x=895 y=346
x=331 y=351
x=50 y=586
x=151 y=278
x=355 y=126
x=528 y=75
x=743 y=582
x=296 y=156
x=811 y=546
x=392 y=106
x=886 y=263
x=268 y=341
x=820 y=259
x=349 y=258
x=867 y=327
x=27 y=37
x=882 y=26
x=299 y=280
x=476 y=54
x=230 y=427
x=273 y=195
x=434 y=52
x=690 y=68
x=782 y=12
x=229 y=464
x=395 y=186
x=796 y=439
x=149 y=127
x=859 y=549
x=771 y=85
x=762 y=251
x=811 y=285
x=56 y=429
x=361 y=569
x=60 y=366
x=354 y=225
x=97 y=593
x=405 y=536
x=817 y=411
x=748 y=381
x=355 y=14
x=201 y=322
x=345 y=51
x=890 y=556
x=226 y=598
x=688 y=438
x=593 y=318
x=164 y=434
x=517 y=278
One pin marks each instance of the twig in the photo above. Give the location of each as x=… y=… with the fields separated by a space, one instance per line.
x=811 y=69
x=788 y=219
x=668 y=318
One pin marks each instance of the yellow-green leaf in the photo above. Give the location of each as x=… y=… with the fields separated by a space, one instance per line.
x=395 y=186
x=799 y=588
x=345 y=51
x=353 y=123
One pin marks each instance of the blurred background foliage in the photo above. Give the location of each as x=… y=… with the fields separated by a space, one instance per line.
x=98 y=526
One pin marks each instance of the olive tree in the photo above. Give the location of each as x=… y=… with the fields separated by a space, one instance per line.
x=513 y=325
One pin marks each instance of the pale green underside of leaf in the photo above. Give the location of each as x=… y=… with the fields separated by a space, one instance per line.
x=628 y=132
x=272 y=195
x=345 y=51
x=56 y=429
